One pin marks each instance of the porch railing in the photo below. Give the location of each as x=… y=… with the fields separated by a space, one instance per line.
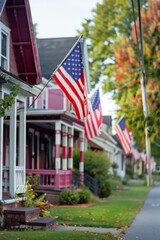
x=5 y=179
x=52 y=178
x=19 y=178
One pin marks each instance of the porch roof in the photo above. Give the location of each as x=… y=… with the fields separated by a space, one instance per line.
x=45 y=115
x=105 y=145
x=8 y=79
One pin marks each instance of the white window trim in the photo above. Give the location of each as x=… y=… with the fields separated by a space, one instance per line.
x=6 y=31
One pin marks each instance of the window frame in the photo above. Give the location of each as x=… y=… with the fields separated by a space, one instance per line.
x=6 y=31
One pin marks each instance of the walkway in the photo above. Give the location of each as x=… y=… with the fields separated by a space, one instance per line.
x=88 y=229
x=146 y=225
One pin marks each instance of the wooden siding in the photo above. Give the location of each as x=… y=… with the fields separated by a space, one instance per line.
x=39 y=102
x=55 y=99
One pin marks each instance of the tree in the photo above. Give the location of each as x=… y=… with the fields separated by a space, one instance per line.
x=114 y=56
x=127 y=75
x=110 y=19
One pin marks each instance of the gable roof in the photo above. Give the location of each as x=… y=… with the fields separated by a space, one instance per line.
x=23 y=39
x=52 y=51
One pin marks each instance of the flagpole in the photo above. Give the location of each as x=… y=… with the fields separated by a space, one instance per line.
x=56 y=70
x=120 y=119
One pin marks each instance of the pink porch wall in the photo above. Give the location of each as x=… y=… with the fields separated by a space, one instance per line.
x=39 y=102
x=55 y=99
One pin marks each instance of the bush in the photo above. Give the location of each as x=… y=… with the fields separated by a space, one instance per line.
x=97 y=165
x=104 y=189
x=69 y=197
x=85 y=195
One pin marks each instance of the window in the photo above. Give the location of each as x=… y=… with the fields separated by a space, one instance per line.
x=4 y=46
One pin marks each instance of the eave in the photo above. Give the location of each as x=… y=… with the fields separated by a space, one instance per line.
x=23 y=39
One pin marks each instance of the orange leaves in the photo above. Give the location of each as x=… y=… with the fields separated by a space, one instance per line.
x=124 y=58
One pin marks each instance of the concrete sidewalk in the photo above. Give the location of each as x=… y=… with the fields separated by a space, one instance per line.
x=146 y=225
x=88 y=229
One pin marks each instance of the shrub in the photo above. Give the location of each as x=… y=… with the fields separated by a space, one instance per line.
x=130 y=172
x=85 y=195
x=76 y=156
x=104 y=189
x=69 y=197
x=97 y=165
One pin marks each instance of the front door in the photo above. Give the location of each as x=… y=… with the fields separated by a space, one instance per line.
x=33 y=149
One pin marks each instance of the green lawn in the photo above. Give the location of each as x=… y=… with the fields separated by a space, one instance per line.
x=117 y=211
x=51 y=235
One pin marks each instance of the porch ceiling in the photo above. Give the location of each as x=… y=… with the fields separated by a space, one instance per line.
x=48 y=126
x=23 y=39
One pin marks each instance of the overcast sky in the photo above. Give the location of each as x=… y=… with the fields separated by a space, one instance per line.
x=62 y=18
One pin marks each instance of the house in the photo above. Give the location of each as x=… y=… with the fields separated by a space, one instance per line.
x=53 y=130
x=19 y=64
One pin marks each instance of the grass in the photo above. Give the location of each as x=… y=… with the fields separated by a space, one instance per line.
x=117 y=211
x=51 y=235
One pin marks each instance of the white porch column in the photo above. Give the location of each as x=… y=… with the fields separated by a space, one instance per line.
x=70 y=148
x=81 y=160
x=57 y=145
x=22 y=139
x=1 y=150
x=22 y=134
x=13 y=133
x=64 y=147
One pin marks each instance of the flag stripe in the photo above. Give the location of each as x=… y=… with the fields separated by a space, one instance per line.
x=75 y=105
x=123 y=140
x=93 y=121
x=74 y=86
x=71 y=90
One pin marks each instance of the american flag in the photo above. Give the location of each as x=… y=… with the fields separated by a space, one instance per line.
x=123 y=135
x=93 y=121
x=135 y=151
x=70 y=77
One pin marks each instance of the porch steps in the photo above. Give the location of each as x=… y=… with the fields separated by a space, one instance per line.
x=42 y=222
x=23 y=217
